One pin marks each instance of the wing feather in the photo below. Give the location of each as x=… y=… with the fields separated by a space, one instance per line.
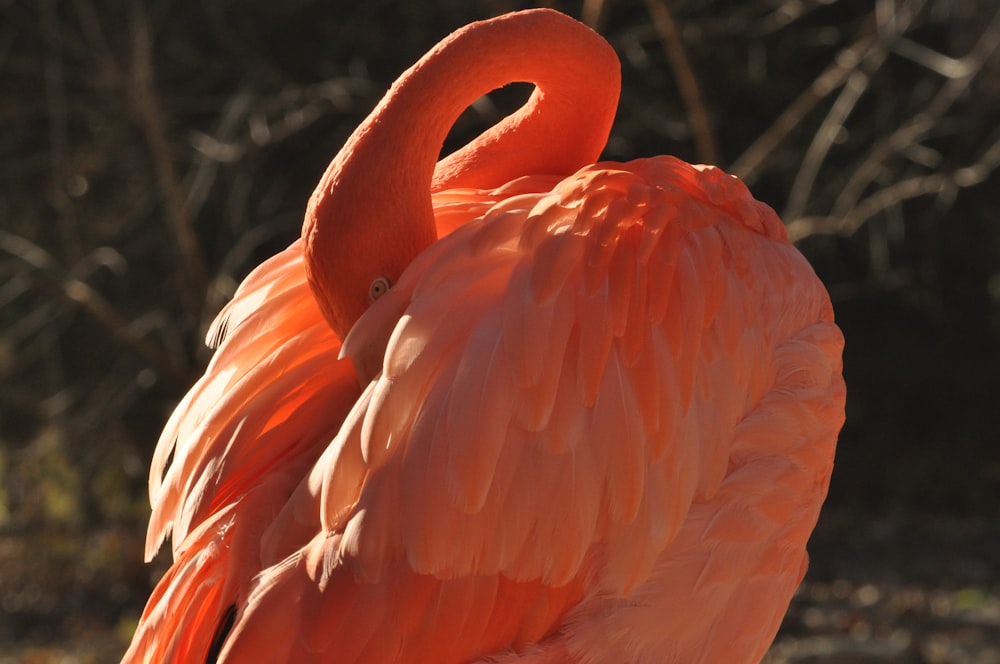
x=531 y=313
x=539 y=319
x=479 y=409
x=615 y=427
x=621 y=282
x=644 y=375
x=272 y=322
x=494 y=461
x=557 y=394
x=595 y=340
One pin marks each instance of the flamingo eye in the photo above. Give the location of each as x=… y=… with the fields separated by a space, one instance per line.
x=378 y=288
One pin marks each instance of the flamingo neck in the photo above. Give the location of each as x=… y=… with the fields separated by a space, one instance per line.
x=375 y=197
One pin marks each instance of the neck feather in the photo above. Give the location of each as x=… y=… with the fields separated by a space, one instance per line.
x=380 y=183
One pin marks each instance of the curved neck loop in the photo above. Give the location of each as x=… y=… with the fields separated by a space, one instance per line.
x=383 y=178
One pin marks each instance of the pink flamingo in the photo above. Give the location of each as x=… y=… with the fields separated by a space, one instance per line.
x=512 y=406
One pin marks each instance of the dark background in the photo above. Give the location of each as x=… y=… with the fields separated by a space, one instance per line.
x=151 y=153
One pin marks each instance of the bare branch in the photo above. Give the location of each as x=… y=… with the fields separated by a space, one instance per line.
x=58 y=115
x=747 y=166
x=829 y=130
x=593 y=13
x=147 y=108
x=918 y=126
x=687 y=82
x=47 y=274
x=787 y=13
x=893 y=194
x=896 y=193
x=938 y=63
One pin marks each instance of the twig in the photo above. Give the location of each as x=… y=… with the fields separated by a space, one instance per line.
x=47 y=274
x=784 y=15
x=891 y=195
x=747 y=165
x=896 y=193
x=827 y=133
x=687 y=82
x=192 y=273
x=202 y=176
x=912 y=131
x=58 y=114
x=937 y=62
x=891 y=25
x=593 y=13
x=868 y=51
x=97 y=45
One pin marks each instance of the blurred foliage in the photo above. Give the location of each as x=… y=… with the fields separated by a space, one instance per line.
x=154 y=152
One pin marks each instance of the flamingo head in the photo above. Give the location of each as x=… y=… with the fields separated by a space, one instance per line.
x=353 y=260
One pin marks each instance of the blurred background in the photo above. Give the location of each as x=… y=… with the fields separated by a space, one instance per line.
x=152 y=153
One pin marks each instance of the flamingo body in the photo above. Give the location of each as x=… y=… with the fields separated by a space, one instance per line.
x=592 y=420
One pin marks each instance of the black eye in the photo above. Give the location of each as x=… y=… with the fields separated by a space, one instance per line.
x=378 y=288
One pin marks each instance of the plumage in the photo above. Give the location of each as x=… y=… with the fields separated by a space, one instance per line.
x=592 y=420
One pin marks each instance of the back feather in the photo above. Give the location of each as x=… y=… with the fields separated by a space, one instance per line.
x=584 y=391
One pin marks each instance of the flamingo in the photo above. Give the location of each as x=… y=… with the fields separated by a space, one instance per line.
x=513 y=406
